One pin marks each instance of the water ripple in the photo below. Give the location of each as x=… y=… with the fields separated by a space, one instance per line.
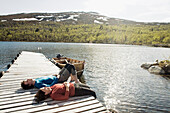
x=112 y=71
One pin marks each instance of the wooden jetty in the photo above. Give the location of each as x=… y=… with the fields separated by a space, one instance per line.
x=33 y=65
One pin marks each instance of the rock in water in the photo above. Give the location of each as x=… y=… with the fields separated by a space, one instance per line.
x=168 y=69
x=156 y=70
x=146 y=66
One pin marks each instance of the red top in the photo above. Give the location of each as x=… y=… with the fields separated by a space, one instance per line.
x=59 y=91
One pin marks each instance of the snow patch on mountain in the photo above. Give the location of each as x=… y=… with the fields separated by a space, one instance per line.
x=102 y=18
x=98 y=22
x=25 y=19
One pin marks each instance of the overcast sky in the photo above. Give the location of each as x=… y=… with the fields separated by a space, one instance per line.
x=137 y=10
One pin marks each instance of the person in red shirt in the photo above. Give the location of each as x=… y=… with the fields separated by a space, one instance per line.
x=64 y=91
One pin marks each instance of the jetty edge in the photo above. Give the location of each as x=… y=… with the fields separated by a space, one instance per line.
x=33 y=65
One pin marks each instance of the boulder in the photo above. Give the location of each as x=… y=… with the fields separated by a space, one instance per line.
x=166 y=69
x=156 y=70
x=148 y=65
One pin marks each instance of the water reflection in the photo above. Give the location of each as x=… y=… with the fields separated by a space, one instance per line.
x=113 y=71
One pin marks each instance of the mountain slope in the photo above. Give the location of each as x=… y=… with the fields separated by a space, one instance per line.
x=68 y=17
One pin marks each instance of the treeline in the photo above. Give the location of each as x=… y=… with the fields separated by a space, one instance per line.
x=85 y=33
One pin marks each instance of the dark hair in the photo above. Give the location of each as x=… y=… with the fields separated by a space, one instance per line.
x=41 y=96
x=26 y=86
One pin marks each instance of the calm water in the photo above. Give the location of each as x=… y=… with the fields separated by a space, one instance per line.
x=113 y=71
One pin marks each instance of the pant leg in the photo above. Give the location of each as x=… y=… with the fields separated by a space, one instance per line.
x=65 y=72
x=62 y=70
x=81 y=91
x=71 y=69
x=64 y=75
x=67 y=65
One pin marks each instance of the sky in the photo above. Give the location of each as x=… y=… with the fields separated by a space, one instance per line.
x=136 y=10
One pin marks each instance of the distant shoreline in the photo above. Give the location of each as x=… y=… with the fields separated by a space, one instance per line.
x=82 y=27
x=155 y=45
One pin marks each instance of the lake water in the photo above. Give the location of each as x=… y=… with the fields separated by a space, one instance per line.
x=112 y=71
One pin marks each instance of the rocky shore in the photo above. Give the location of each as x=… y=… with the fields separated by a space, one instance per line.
x=161 y=45
x=158 y=67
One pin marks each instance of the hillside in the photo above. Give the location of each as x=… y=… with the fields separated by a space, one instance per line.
x=67 y=17
x=84 y=27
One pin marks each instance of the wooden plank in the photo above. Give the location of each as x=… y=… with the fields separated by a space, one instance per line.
x=30 y=72
x=20 y=103
x=6 y=80
x=48 y=103
x=16 y=101
x=73 y=106
x=16 y=84
x=10 y=89
x=83 y=108
x=96 y=110
x=10 y=85
x=19 y=91
x=16 y=98
x=13 y=75
x=13 y=94
x=34 y=65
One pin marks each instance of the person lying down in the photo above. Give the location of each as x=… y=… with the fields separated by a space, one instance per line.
x=64 y=91
x=46 y=81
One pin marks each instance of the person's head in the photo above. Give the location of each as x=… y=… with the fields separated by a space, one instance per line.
x=43 y=94
x=27 y=84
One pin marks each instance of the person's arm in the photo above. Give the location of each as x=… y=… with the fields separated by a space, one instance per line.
x=66 y=61
x=58 y=96
x=67 y=85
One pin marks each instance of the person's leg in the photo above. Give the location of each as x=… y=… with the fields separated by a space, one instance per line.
x=74 y=78
x=66 y=72
x=62 y=70
x=67 y=65
x=81 y=91
x=74 y=74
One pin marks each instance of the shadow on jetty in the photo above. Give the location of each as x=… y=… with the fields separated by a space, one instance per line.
x=32 y=91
